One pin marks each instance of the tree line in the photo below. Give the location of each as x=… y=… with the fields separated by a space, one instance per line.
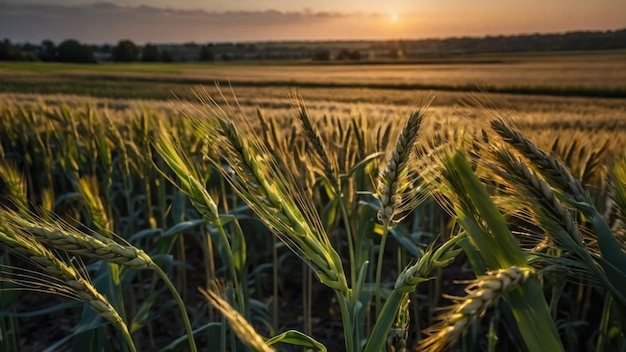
x=125 y=50
x=73 y=51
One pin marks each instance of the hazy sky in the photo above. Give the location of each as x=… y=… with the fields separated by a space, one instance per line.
x=164 y=21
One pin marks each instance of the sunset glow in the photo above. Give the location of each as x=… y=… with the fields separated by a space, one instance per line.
x=282 y=20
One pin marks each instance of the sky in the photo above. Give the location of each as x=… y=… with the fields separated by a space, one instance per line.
x=168 y=21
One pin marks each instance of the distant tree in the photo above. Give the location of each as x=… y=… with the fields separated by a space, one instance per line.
x=47 y=51
x=71 y=50
x=168 y=56
x=395 y=53
x=150 y=53
x=106 y=48
x=10 y=52
x=322 y=55
x=355 y=55
x=28 y=47
x=207 y=53
x=125 y=51
x=346 y=54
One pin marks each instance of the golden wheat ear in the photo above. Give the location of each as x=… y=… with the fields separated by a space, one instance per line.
x=397 y=189
x=482 y=293
x=244 y=331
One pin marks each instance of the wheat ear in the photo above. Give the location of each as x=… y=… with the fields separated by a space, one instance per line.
x=72 y=283
x=617 y=181
x=395 y=181
x=481 y=294
x=244 y=331
x=274 y=196
x=16 y=185
x=329 y=168
x=556 y=220
x=392 y=318
x=396 y=189
x=399 y=333
x=551 y=168
x=65 y=237
x=547 y=208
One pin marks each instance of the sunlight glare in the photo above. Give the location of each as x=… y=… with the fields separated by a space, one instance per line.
x=394 y=18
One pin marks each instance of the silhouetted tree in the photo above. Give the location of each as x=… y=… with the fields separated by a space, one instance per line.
x=355 y=55
x=395 y=54
x=346 y=54
x=168 y=56
x=10 y=52
x=71 y=50
x=106 y=48
x=125 y=51
x=322 y=55
x=150 y=53
x=207 y=52
x=47 y=51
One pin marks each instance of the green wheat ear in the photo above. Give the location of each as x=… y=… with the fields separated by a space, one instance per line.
x=57 y=277
x=269 y=191
x=16 y=185
x=66 y=238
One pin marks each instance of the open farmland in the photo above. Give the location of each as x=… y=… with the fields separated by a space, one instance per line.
x=338 y=218
x=590 y=74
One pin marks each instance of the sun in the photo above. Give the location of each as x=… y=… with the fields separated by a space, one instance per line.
x=394 y=18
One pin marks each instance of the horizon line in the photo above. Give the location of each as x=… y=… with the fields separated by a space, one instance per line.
x=269 y=41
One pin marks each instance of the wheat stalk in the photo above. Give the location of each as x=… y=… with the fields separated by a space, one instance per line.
x=72 y=283
x=64 y=237
x=483 y=293
x=398 y=191
x=391 y=316
x=556 y=220
x=273 y=195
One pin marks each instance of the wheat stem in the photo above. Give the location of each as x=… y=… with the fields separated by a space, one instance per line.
x=393 y=183
x=181 y=305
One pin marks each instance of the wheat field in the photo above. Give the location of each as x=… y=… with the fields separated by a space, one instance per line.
x=339 y=219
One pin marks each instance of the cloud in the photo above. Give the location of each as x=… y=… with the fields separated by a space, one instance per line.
x=108 y=22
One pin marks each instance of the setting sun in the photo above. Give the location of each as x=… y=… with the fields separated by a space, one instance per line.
x=394 y=18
